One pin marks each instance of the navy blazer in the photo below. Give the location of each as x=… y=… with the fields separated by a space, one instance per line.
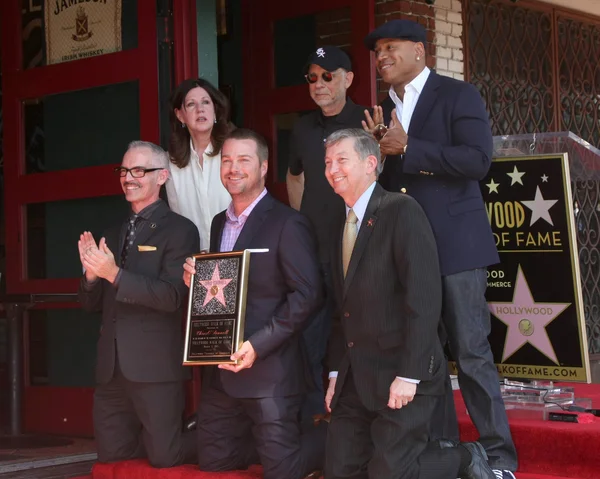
x=449 y=150
x=285 y=289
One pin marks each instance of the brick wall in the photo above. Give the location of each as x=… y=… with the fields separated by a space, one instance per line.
x=333 y=28
x=448 y=38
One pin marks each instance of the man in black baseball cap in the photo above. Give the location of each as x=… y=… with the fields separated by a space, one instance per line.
x=438 y=146
x=329 y=58
x=328 y=71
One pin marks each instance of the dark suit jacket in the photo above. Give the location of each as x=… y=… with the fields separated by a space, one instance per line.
x=449 y=150
x=284 y=291
x=144 y=313
x=389 y=305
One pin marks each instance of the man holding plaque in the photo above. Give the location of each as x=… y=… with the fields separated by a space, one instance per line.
x=134 y=277
x=387 y=364
x=248 y=412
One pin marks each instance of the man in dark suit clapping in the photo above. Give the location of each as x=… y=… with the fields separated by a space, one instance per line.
x=249 y=411
x=386 y=361
x=134 y=277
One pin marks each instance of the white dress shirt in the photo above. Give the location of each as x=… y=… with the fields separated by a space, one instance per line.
x=197 y=193
x=412 y=91
x=360 y=208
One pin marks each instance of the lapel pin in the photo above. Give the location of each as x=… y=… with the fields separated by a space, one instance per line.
x=152 y=225
x=371 y=222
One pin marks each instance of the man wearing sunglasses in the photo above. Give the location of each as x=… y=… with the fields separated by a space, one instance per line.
x=328 y=72
x=133 y=276
x=439 y=146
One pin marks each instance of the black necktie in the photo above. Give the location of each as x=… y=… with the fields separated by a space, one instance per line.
x=133 y=220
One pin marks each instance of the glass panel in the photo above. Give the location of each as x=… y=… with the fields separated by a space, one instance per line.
x=295 y=38
x=284 y=123
x=70 y=29
x=81 y=128
x=579 y=78
x=62 y=347
x=53 y=230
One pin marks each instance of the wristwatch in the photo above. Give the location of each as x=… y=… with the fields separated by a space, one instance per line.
x=404 y=149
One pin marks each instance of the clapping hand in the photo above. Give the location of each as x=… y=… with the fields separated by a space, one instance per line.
x=98 y=261
x=87 y=244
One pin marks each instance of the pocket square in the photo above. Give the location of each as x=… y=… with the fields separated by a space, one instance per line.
x=142 y=247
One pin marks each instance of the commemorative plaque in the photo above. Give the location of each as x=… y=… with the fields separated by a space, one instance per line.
x=534 y=294
x=216 y=308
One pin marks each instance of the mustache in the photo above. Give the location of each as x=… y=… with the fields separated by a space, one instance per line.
x=131 y=183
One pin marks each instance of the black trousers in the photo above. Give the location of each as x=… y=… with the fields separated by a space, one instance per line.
x=466 y=322
x=235 y=433
x=385 y=444
x=134 y=420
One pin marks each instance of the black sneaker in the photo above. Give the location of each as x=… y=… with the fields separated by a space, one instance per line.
x=479 y=467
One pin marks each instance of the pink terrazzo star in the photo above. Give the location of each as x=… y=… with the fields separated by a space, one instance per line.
x=214 y=287
x=527 y=320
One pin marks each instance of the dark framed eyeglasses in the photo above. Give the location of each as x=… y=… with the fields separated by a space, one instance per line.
x=136 y=171
x=313 y=77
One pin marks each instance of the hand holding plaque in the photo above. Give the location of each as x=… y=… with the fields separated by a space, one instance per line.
x=244 y=358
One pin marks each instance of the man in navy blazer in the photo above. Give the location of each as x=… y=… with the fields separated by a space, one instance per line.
x=438 y=147
x=249 y=411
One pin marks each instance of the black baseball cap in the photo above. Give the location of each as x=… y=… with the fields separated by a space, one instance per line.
x=329 y=58
x=400 y=29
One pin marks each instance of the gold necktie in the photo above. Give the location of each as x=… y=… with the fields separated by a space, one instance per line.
x=349 y=238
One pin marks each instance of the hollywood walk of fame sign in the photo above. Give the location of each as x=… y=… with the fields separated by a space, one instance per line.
x=534 y=294
x=216 y=308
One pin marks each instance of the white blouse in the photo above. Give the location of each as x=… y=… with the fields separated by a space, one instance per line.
x=197 y=193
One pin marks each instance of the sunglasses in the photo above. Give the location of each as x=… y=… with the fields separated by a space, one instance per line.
x=313 y=77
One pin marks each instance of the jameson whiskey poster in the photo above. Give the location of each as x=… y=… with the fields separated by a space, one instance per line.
x=77 y=29
x=534 y=294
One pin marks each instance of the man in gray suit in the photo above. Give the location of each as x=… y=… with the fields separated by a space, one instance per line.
x=133 y=275
x=386 y=360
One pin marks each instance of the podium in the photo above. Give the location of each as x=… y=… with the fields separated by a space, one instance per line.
x=551 y=258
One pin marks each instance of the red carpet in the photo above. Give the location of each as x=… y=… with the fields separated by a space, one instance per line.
x=551 y=448
x=142 y=470
x=547 y=450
